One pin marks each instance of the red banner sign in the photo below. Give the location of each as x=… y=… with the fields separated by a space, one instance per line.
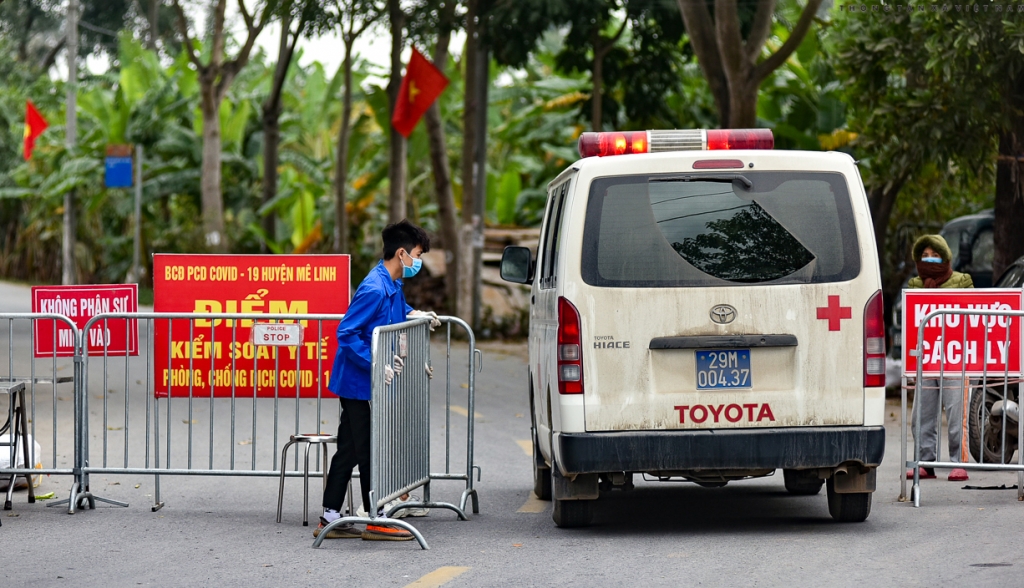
x=218 y=356
x=119 y=337
x=955 y=344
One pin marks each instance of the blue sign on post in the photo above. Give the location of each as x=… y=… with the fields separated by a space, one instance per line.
x=119 y=166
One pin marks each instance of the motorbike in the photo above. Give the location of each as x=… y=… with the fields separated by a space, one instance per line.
x=992 y=422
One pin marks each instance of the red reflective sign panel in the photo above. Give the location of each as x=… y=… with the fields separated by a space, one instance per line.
x=225 y=357
x=954 y=344
x=117 y=337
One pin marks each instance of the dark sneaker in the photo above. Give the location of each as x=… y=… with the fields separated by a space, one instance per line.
x=381 y=533
x=345 y=531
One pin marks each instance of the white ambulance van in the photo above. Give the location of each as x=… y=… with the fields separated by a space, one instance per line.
x=704 y=308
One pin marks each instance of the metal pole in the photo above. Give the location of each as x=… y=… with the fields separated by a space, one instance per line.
x=399 y=148
x=137 y=271
x=70 y=138
x=480 y=171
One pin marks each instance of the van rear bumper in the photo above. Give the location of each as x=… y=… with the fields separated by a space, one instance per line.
x=650 y=451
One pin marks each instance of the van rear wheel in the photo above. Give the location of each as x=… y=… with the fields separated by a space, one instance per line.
x=541 y=473
x=847 y=508
x=802 y=483
x=569 y=514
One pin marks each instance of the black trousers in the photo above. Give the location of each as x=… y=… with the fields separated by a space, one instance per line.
x=353 y=450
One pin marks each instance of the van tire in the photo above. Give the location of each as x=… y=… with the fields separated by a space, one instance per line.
x=541 y=473
x=801 y=484
x=848 y=508
x=570 y=514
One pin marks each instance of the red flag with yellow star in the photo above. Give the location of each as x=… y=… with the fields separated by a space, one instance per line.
x=422 y=84
x=35 y=124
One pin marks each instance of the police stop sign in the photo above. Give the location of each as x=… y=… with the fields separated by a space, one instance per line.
x=956 y=343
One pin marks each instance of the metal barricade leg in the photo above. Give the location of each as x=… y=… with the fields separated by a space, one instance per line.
x=903 y=440
x=305 y=485
x=323 y=472
x=351 y=500
x=29 y=453
x=280 y=490
x=384 y=522
x=19 y=435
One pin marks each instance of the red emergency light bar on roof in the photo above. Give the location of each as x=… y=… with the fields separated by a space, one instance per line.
x=623 y=143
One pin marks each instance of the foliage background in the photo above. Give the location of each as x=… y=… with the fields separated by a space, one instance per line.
x=536 y=110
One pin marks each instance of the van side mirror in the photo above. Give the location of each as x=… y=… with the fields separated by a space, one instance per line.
x=966 y=252
x=516 y=265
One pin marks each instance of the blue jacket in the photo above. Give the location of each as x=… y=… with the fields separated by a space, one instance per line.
x=378 y=301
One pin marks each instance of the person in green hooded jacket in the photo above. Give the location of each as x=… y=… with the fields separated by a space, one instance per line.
x=935 y=265
x=935 y=270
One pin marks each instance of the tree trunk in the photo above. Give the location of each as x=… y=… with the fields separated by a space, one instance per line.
x=601 y=48
x=881 y=202
x=341 y=158
x=742 y=104
x=271 y=139
x=597 y=77
x=215 y=78
x=1009 y=212
x=397 y=171
x=272 y=129
x=210 y=185
x=483 y=80
x=730 y=63
x=443 y=176
x=701 y=31
x=26 y=34
x=154 y=18
x=464 y=300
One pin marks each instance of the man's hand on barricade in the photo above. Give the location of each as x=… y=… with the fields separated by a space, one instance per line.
x=434 y=321
x=390 y=372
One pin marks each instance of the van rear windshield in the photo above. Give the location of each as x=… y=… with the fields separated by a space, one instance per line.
x=723 y=229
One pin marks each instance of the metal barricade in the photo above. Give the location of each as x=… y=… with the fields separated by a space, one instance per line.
x=45 y=376
x=985 y=436
x=212 y=419
x=399 y=426
x=474 y=362
x=215 y=408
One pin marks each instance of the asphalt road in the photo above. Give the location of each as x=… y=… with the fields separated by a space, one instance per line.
x=222 y=531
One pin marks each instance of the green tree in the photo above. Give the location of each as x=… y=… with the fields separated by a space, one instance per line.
x=215 y=78
x=297 y=18
x=929 y=94
x=353 y=18
x=729 y=42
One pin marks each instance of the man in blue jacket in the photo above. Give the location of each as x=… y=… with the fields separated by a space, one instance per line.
x=378 y=301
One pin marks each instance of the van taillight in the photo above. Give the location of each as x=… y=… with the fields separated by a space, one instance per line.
x=570 y=359
x=874 y=343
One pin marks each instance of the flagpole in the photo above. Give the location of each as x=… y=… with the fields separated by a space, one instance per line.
x=71 y=131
